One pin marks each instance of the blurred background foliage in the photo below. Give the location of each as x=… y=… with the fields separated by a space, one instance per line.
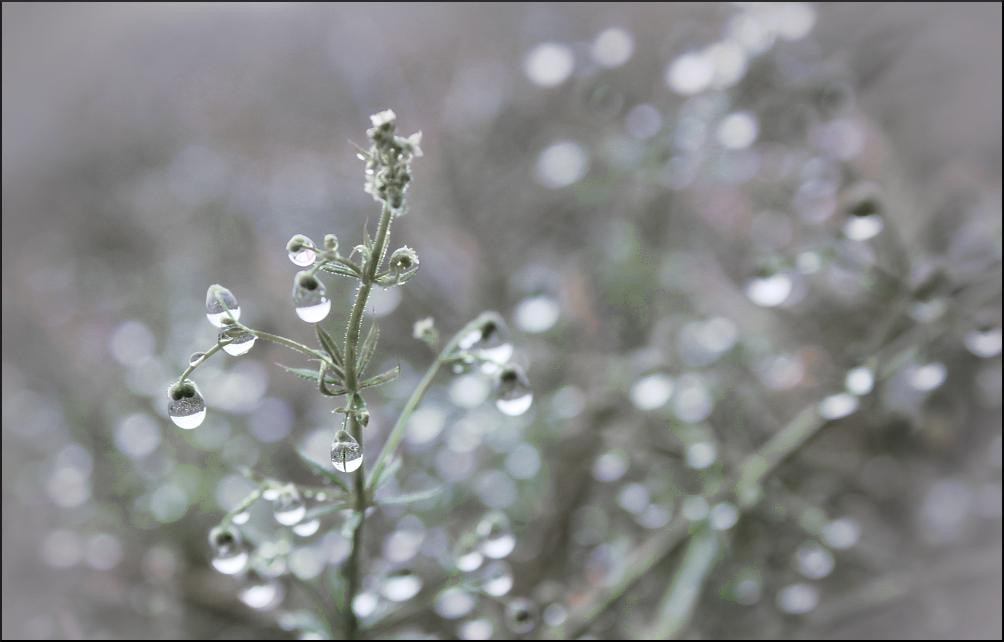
x=701 y=221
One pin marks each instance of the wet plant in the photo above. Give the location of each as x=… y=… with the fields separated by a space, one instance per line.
x=341 y=371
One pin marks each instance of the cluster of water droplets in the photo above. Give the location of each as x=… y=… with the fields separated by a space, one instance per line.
x=488 y=344
x=310 y=299
x=346 y=453
x=186 y=407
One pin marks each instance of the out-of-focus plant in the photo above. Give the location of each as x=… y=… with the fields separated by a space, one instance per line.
x=341 y=373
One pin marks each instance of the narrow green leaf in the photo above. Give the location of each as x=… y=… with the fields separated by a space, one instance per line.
x=326 y=509
x=341 y=270
x=323 y=470
x=412 y=498
x=350 y=525
x=385 y=475
x=330 y=346
x=368 y=347
x=313 y=376
x=384 y=377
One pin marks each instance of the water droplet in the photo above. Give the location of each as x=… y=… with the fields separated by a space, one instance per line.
x=610 y=466
x=196 y=356
x=769 y=291
x=521 y=615
x=797 y=598
x=479 y=629
x=346 y=453
x=928 y=377
x=985 y=343
x=186 y=407
x=814 y=561
x=241 y=339
x=241 y=518
x=310 y=298
x=221 y=304
x=229 y=553
x=304 y=257
x=365 y=604
x=747 y=591
x=495 y=531
x=701 y=455
x=723 y=516
x=454 y=602
x=497 y=579
x=289 y=508
x=489 y=340
x=514 y=394
x=860 y=381
x=306 y=529
x=537 y=313
x=548 y=64
x=862 y=228
x=838 y=406
x=401 y=585
x=652 y=392
x=263 y=596
x=468 y=553
x=555 y=615
x=842 y=533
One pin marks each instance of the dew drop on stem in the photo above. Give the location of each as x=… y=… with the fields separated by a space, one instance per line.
x=230 y=556
x=220 y=305
x=289 y=508
x=467 y=553
x=521 y=615
x=401 y=585
x=495 y=532
x=186 y=407
x=196 y=356
x=514 y=394
x=240 y=338
x=346 y=453
x=488 y=341
x=310 y=298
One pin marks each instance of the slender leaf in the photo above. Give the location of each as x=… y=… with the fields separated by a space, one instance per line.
x=323 y=470
x=341 y=269
x=368 y=347
x=350 y=525
x=331 y=347
x=313 y=376
x=384 y=377
x=412 y=498
x=326 y=509
x=386 y=474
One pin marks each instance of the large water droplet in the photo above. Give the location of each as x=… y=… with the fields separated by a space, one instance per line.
x=862 y=228
x=769 y=291
x=310 y=298
x=401 y=585
x=230 y=556
x=289 y=508
x=860 y=380
x=240 y=339
x=813 y=561
x=838 y=406
x=514 y=394
x=985 y=343
x=241 y=518
x=304 y=257
x=468 y=553
x=798 y=598
x=186 y=406
x=495 y=532
x=497 y=579
x=489 y=340
x=454 y=602
x=521 y=615
x=263 y=595
x=346 y=453
x=195 y=358
x=221 y=304
x=306 y=529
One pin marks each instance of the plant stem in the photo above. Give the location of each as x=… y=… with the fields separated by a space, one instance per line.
x=352 y=332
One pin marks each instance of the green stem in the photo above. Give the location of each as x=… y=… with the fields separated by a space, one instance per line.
x=353 y=564
x=191 y=368
x=289 y=343
x=677 y=606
